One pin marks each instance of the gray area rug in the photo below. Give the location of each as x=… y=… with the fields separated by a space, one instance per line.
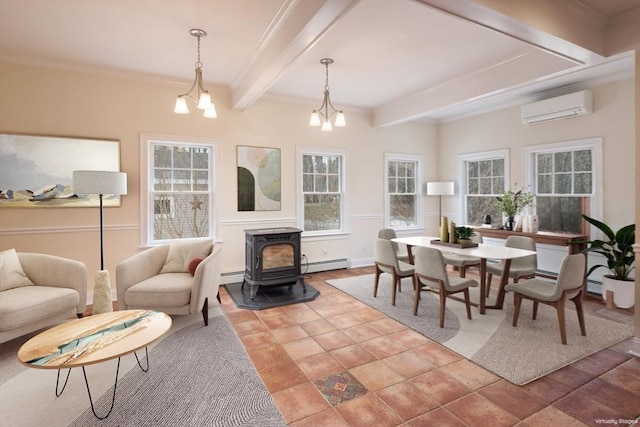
x=519 y=355
x=198 y=376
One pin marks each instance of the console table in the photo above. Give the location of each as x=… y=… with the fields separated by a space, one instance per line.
x=543 y=237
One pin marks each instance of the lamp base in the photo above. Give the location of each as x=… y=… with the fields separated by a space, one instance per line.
x=102 y=293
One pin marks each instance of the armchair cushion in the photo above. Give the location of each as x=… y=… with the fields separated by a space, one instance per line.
x=163 y=290
x=182 y=252
x=11 y=273
x=30 y=305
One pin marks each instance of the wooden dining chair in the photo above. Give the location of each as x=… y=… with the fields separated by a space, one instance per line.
x=431 y=271
x=521 y=268
x=388 y=234
x=570 y=286
x=386 y=261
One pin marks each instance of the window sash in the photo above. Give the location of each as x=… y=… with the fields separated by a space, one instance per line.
x=483 y=177
x=179 y=183
x=321 y=203
x=403 y=175
x=578 y=164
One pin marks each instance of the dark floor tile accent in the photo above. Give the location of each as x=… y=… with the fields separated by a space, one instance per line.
x=340 y=388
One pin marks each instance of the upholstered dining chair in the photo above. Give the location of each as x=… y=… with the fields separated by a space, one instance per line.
x=569 y=286
x=464 y=261
x=388 y=234
x=431 y=271
x=386 y=261
x=521 y=268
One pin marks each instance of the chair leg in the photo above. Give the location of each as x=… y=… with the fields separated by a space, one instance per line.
x=375 y=284
x=577 y=300
x=489 y=277
x=443 y=304
x=205 y=312
x=463 y=272
x=416 y=301
x=559 y=305
x=395 y=279
x=535 y=310
x=517 y=302
x=467 y=303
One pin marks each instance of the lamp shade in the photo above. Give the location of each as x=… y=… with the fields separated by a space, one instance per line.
x=440 y=188
x=181 y=106
x=99 y=182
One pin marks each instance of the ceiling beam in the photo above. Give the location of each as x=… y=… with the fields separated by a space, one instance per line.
x=297 y=27
x=541 y=23
x=474 y=86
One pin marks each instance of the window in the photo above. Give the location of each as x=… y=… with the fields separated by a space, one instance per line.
x=179 y=185
x=403 y=177
x=563 y=177
x=484 y=177
x=321 y=202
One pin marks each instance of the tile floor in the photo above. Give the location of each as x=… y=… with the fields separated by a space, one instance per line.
x=389 y=375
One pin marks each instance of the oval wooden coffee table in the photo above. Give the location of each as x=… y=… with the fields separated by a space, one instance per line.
x=94 y=339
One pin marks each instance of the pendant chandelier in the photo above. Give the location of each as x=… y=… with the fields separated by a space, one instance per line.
x=200 y=97
x=322 y=116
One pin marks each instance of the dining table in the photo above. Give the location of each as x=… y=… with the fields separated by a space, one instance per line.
x=482 y=251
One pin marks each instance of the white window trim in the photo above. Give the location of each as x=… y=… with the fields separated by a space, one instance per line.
x=462 y=174
x=146 y=199
x=419 y=159
x=344 y=226
x=593 y=144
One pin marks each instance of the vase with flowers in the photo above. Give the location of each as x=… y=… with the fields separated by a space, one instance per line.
x=512 y=203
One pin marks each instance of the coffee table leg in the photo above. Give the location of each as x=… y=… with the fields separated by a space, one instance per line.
x=113 y=398
x=146 y=350
x=58 y=393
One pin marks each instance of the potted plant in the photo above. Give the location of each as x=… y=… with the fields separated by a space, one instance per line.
x=464 y=234
x=618 y=251
x=511 y=204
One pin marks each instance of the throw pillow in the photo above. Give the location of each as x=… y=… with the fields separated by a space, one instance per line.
x=11 y=273
x=194 y=264
x=182 y=252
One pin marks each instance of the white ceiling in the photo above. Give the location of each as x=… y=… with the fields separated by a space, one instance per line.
x=398 y=59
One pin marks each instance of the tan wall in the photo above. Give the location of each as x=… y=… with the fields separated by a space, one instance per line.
x=52 y=102
x=613 y=120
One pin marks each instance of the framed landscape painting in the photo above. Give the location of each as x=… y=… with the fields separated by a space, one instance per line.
x=37 y=171
x=259 y=179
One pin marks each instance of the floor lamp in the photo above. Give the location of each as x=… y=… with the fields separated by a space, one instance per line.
x=100 y=183
x=440 y=189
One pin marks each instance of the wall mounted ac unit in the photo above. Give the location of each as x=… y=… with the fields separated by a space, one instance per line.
x=561 y=107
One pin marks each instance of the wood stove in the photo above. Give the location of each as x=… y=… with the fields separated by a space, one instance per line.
x=272 y=258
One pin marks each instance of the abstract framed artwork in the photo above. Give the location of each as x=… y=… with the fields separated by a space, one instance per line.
x=37 y=171
x=259 y=180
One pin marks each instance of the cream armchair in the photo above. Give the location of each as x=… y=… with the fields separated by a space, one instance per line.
x=56 y=290
x=143 y=281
